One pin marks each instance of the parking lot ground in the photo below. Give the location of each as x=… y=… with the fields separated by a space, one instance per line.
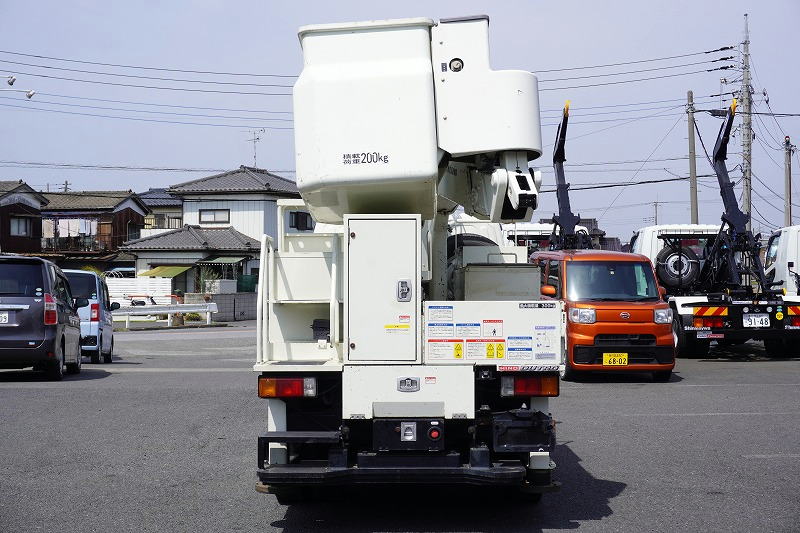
x=164 y=439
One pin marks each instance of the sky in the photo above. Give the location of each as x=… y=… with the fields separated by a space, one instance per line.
x=643 y=123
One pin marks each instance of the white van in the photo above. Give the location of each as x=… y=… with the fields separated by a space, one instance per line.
x=97 y=325
x=782 y=260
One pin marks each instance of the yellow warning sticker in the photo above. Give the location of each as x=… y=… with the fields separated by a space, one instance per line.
x=500 y=350
x=490 y=350
x=397 y=328
x=458 y=351
x=778 y=316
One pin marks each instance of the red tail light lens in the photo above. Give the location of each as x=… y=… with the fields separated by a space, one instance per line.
x=50 y=312
x=286 y=387
x=795 y=321
x=709 y=322
x=541 y=385
x=94 y=315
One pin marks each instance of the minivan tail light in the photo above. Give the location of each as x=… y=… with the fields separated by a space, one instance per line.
x=50 y=312
x=286 y=387
x=94 y=315
x=537 y=385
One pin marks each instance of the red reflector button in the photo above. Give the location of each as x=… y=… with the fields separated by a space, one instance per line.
x=434 y=433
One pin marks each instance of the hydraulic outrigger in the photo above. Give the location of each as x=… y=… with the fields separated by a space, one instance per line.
x=564 y=236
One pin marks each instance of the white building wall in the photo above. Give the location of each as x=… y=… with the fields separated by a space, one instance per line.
x=252 y=215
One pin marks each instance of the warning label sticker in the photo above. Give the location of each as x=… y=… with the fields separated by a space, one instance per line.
x=520 y=344
x=397 y=328
x=492 y=328
x=440 y=329
x=440 y=313
x=445 y=349
x=469 y=329
x=486 y=349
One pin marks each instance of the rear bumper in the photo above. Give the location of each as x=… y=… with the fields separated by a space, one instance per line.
x=90 y=332
x=495 y=475
x=22 y=357
x=652 y=358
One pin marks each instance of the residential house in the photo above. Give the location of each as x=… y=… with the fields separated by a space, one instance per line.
x=244 y=198
x=192 y=254
x=20 y=217
x=91 y=221
x=166 y=211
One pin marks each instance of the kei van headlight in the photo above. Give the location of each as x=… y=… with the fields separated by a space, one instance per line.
x=662 y=316
x=582 y=316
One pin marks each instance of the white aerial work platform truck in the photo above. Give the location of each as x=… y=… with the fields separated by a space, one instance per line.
x=372 y=369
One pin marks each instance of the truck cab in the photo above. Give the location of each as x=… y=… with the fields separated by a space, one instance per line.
x=782 y=259
x=616 y=318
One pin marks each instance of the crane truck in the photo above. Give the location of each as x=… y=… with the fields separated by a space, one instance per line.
x=716 y=282
x=372 y=367
x=617 y=319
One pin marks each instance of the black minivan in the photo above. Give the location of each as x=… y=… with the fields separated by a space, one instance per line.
x=39 y=322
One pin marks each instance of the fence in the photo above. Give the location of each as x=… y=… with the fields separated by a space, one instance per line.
x=169 y=310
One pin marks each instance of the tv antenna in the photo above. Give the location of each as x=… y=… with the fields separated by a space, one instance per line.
x=255 y=140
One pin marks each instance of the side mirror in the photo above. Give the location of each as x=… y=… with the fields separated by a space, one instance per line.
x=662 y=292
x=81 y=302
x=114 y=306
x=548 y=290
x=791 y=264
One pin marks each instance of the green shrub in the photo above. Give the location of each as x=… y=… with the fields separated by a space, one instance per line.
x=192 y=317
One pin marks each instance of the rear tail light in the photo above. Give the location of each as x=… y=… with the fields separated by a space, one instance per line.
x=94 y=315
x=795 y=321
x=50 y=312
x=708 y=322
x=287 y=387
x=538 y=385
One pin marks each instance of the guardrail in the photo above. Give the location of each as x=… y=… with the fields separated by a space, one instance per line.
x=169 y=310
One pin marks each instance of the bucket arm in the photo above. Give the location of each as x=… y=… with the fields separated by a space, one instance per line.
x=566 y=238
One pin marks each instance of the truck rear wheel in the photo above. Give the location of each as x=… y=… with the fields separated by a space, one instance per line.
x=291 y=495
x=775 y=347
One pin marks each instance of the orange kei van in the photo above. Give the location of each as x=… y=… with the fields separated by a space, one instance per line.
x=616 y=317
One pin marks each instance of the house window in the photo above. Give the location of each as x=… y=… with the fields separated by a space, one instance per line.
x=301 y=221
x=20 y=227
x=215 y=215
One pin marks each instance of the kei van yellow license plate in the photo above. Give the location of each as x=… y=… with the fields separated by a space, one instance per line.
x=615 y=359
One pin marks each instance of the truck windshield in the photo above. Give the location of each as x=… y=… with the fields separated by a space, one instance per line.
x=772 y=250
x=610 y=281
x=21 y=278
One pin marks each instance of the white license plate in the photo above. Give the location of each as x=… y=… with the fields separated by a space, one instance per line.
x=4 y=317
x=756 y=320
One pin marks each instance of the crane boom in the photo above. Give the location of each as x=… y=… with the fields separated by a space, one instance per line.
x=566 y=238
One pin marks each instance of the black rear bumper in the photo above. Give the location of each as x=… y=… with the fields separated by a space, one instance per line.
x=318 y=475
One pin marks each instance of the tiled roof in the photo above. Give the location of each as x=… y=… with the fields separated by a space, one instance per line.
x=20 y=186
x=159 y=197
x=89 y=200
x=243 y=179
x=194 y=238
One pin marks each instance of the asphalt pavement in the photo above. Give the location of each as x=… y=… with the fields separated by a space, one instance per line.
x=164 y=439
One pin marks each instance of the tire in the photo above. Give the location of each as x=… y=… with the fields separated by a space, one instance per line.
x=95 y=355
x=107 y=357
x=676 y=268
x=662 y=376
x=75 y=368
x=569 y=373
x=55 y=372
x=687 y=347
x=290 y=495
x=775 y=347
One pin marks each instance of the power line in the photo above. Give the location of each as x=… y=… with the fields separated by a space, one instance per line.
x=94 y=166
x=116 y=84
x=637 y=71
x=722 y=49
x=182 y=80
x=162 y=69
x=634 y=80
x=628 y=104
x=628 y=184
x=138 y=119
x=153 y=112
x=237 y=110
x=660 y=113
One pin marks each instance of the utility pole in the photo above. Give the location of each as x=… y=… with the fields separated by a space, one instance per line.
x=655 y=207
x=787 y=183
x=692 y=161
x=747 y=125
x=66 y=186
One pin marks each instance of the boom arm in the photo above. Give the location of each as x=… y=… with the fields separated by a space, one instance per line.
x=566 y=220
x=735 y=252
